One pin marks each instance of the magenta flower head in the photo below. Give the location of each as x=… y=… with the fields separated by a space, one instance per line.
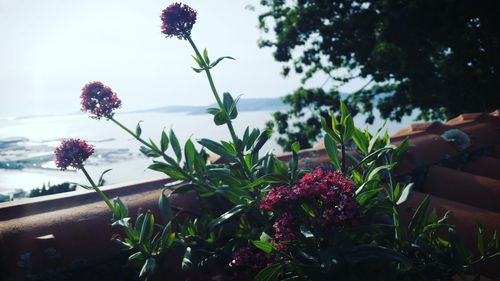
x=99 y=100
x=72 y=152
x=178 y=20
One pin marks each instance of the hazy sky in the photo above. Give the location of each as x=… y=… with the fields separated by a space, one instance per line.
x=49 y=49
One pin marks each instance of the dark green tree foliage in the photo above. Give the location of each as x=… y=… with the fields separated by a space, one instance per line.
x=308 y=105
x=441 y=57
x=52 y=189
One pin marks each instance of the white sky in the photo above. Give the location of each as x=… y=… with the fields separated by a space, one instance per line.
x=49 y=49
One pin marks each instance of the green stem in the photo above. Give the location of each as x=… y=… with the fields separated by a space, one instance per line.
x=395 y=213
x=342 y=147
x=96 y=188
x=221 y=105
x=148 y=145
x=130 y=132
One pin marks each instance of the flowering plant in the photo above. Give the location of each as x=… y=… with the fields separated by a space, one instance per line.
x=266 y=219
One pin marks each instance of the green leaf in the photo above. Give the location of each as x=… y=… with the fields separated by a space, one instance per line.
x=147 y=228
x=331 y=149
x=227 y=215
x=374 y=139
x=148 y=152
x=377 y=170
x=138 y=129
x=252 y=137
x=344 y=112
x=197 y=60
x=217 y=148
x=200 y=163
x=369 y=251
x=360 y=140
x=229 y=105
x=213 y=110
x=480 y=240
x=263 y=138
x=189 y=154
x=148 y=267
x=219 y=60
x=457 y=250
x=417 y=222
x=267 y=247
x=164 y=141
x=137 y=256
x=270 y=273
x=170 y=171
x=335 y=126
x=165 y=209
x=269 y=179
x=154 y=146
x=365 y=196
x=264 y=237
x=119 y=210
x=185 y=187
x=197 y=70
x=100 y=181
x=235 y=194
x=186 y=260
x=400 y=150
x=205 y=57
x=348 y=128
x=167 y=237
x=405 y=194
x=328 y=130
x=139 y=221
x=220 y=118
x=246 y=134
x=309 y=211
x=374 y=156
x=175 y=145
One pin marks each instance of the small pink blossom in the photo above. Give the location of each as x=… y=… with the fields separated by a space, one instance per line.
x=328 y=195
x=278 y=197
x=99 y=100
x=178 y=20
x=72 y=152
x=246 y=262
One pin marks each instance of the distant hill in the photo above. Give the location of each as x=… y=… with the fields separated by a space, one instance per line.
x=250 y=104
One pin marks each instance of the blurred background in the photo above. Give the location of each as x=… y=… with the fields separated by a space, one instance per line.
x=294 y=61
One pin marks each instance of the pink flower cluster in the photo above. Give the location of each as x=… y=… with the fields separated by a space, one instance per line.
x=329 y=195
x=99 y=100
x=178 y=20
x=72 y=152
x=247 y=258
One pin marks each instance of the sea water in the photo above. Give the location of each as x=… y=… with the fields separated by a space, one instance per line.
x=27 y=144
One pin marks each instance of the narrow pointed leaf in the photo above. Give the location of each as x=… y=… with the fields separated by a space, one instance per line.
x=175 y=145
x=164 y=141
x=219 y=60
x=165 y=209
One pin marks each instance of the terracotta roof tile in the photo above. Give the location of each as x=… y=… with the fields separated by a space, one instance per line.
x=471 y=194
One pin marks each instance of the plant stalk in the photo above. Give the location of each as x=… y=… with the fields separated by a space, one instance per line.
x=188 y=176
x=221 y=105
x=96 y=188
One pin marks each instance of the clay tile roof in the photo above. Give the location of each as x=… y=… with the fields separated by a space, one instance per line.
x=427 y=127
x=465 y=182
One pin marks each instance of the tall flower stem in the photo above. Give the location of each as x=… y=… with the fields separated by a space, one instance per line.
x=221 y=105
x=96 y=188
x=130 y=132
x=148 y=145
